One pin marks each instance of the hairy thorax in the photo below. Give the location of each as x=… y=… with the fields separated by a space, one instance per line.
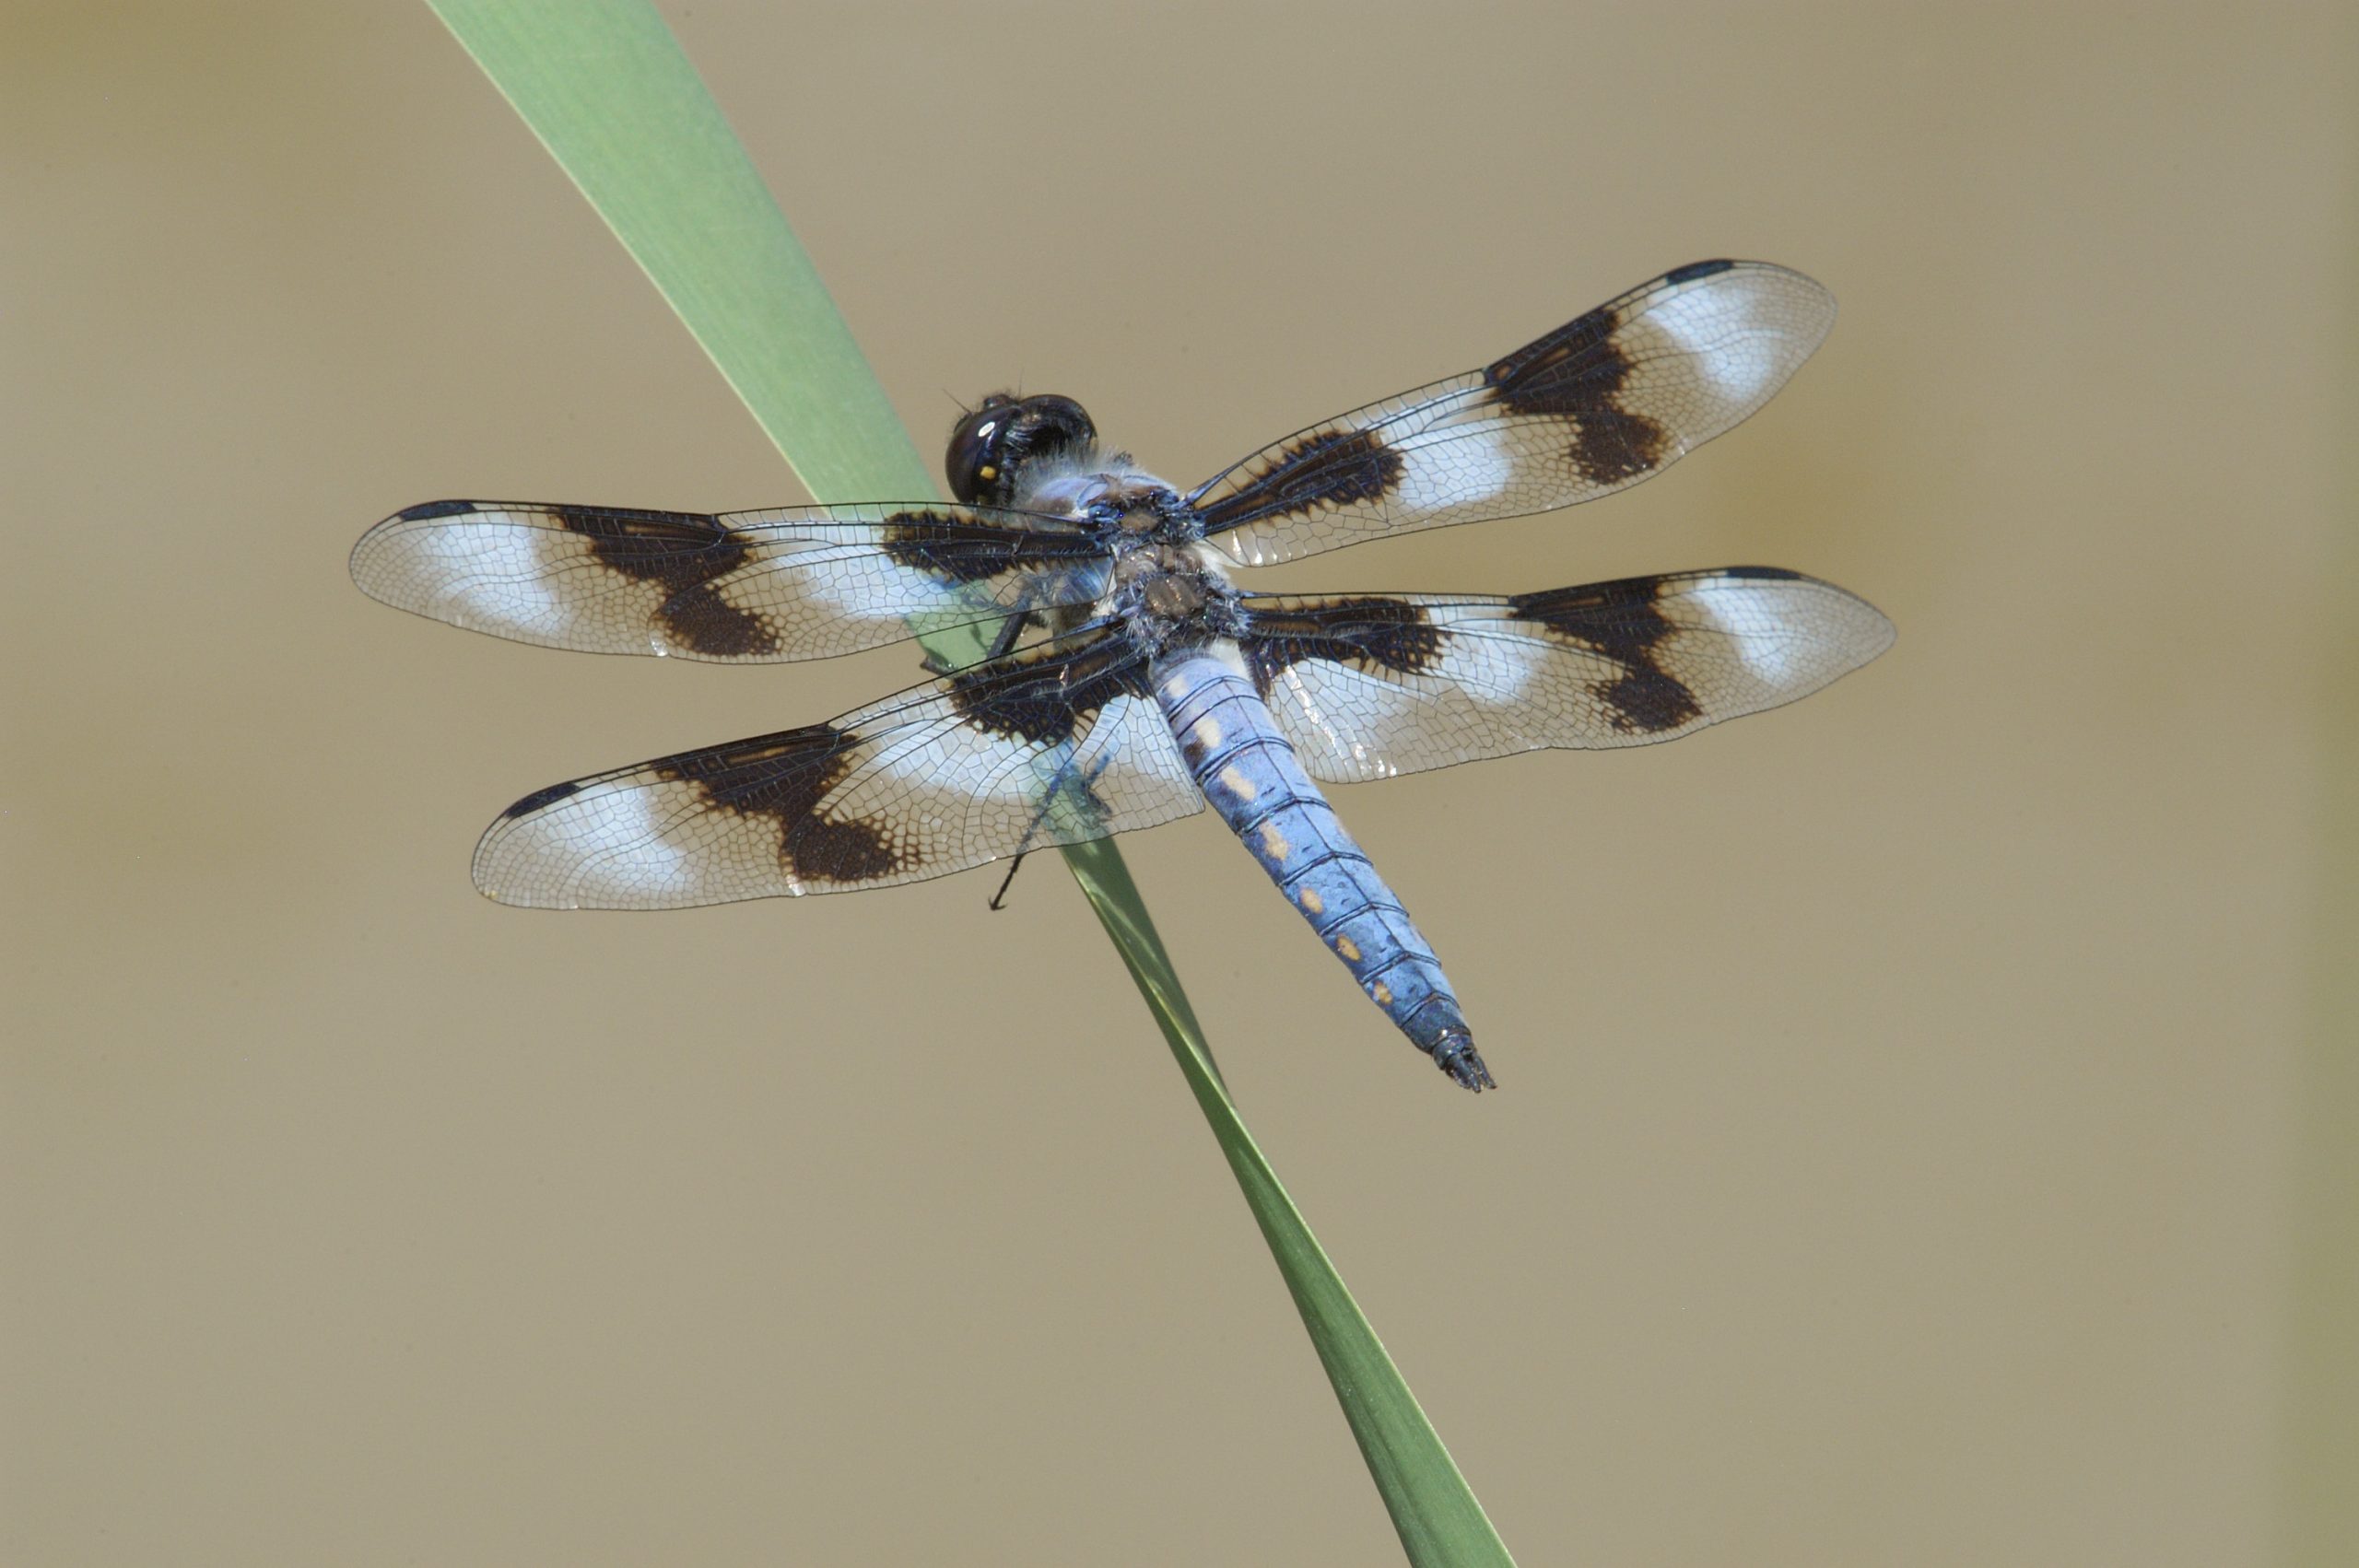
x=1166 y=587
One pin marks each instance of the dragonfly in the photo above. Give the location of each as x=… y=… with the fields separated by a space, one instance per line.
x=1122 y=680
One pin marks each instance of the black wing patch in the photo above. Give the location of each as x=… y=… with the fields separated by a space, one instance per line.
x=1593 y=408
x=1371 y=685
x=1053 y=744
x=742 y=587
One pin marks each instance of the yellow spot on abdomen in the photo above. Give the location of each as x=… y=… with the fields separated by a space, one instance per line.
x=1348 y=948
x=1382 y=993
x=1311 y=901
x=1238 y=784
x=1273 y=843
x=1208 y=731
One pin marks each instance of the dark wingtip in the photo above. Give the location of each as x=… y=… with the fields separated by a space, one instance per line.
x=426 y=509
x=1454 y=1053
x=538 y=799
x=1694 y=270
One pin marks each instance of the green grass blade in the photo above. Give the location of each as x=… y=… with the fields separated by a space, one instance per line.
x=1432 y=1507
x=604 y=86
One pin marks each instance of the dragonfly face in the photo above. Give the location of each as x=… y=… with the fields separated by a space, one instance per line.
x=992 y=448
x=1129 y=683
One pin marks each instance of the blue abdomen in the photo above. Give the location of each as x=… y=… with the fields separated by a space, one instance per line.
x=1247 y=771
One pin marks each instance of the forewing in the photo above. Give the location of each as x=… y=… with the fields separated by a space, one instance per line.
x=1371 y=685
x=756 y=587
x=1593 y=408
x=1050 y=745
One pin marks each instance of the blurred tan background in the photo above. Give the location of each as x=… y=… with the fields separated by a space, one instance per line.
x=1901 y=1155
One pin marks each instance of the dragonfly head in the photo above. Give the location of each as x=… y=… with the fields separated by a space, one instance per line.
x=993 y=446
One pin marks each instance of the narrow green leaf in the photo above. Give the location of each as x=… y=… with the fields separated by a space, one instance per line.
x=606 y=89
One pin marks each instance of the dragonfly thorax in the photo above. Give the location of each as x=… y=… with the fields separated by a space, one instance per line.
x=1173 y=592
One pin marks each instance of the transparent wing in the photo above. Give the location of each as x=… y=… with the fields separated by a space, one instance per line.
x=1594 y=407
x=1371 y=685
x=1053 y=744
x=803 y=582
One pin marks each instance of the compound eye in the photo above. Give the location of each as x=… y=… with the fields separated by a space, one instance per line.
x=976 y=463
x=993 y=444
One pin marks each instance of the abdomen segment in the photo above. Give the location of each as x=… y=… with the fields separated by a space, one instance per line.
x=1247 y=771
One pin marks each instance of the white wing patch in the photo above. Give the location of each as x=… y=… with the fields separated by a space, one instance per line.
x=487 y=573
x=614 y=841
x=1461 y=470
x=1718 y=332
x=1769 y=647
x=1498 y=668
